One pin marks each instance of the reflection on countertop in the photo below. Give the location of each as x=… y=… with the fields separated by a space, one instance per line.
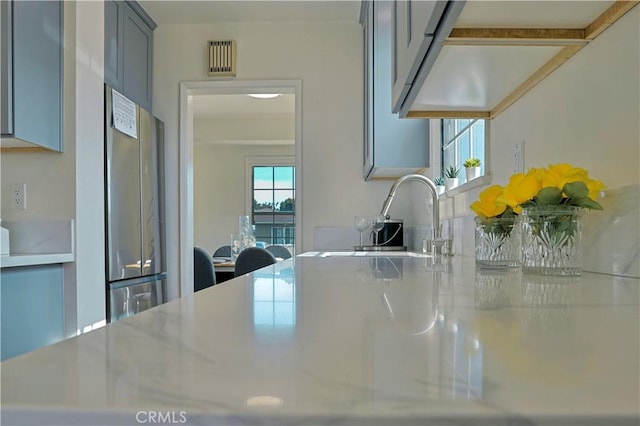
x=353 y=340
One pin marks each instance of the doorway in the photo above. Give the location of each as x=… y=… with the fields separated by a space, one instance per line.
x=190 y=95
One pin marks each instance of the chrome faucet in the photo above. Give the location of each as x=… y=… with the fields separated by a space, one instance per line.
x=436 y=235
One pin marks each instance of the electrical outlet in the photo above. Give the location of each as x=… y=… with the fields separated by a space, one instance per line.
x=19 y=196
x=518 y=157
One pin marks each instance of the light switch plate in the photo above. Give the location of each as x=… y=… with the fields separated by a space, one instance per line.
x=19 y=196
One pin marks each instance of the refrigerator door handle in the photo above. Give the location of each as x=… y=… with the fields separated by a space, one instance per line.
x=114 y=285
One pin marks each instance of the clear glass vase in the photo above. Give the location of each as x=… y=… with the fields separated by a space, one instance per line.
x=497 y=242
x=247 y=234
x=552 y=241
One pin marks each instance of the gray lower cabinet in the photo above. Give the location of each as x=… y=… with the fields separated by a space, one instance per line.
x=128 y=50
x=32 y=313
x=393 y=146
x=31 y=73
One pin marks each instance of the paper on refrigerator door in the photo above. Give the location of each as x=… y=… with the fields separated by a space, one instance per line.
x=123 y=111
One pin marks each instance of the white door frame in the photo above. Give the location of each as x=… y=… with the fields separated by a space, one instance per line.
x=189 y=89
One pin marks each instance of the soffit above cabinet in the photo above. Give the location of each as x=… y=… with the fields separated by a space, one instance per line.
x=498 y=50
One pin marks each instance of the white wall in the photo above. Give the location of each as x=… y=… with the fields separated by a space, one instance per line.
x=89 y=165
x=220 y=189
x=272 y=129
x=50 y=180
x=327 y=58
x=586 y=113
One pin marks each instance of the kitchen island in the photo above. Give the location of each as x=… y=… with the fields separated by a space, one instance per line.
x=326 y=338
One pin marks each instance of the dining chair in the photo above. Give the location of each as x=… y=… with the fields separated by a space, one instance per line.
x=253 y=258
x=279 y=251
x=203 y=273
x=223 y=251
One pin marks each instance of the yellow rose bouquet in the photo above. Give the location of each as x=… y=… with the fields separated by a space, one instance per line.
x=497 y=246
x=549 y=200
x=490 y=208
x=557 y=186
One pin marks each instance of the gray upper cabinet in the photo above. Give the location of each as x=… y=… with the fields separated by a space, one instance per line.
x=31 y=74
x=393 y=146
x=419 y=28
x=485 y=55
x=414 y=24
x=128 y=51
x=112 y=43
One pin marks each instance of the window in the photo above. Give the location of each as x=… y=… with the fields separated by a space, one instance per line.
x=462 y=139
x=273 y=211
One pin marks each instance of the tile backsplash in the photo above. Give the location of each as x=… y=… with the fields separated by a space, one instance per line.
x=40 y=236
x=611 y=236
x=346 y=238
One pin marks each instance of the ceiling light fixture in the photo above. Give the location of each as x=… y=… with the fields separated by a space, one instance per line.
x=264 y=95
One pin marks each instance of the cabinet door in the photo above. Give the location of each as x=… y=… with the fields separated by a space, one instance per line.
x=395 y=146
x=6 y=77
x=37 y=78
x=32 y=72
x=367 y=27
x=112 y=44
x=415 y=23
x=32 y=314
x=137 y=58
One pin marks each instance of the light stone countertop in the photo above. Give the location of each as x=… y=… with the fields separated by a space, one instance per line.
x=355 y=340
x=35 y=259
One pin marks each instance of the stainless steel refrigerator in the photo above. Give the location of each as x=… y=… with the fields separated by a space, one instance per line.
x=134 y=200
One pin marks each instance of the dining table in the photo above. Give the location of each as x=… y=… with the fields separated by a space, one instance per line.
x=226 y=264
x=224 y=268
x=223 y=264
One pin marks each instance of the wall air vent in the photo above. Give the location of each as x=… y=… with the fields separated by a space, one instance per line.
x=222 y=58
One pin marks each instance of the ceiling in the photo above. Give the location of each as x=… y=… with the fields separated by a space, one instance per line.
x=230 y=106
x=204 y=12
x=166 y=12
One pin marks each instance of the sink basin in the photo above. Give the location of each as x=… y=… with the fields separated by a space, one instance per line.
x=364 y=254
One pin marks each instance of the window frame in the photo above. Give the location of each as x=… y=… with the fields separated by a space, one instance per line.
x=484 y=177
x=268 y=161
